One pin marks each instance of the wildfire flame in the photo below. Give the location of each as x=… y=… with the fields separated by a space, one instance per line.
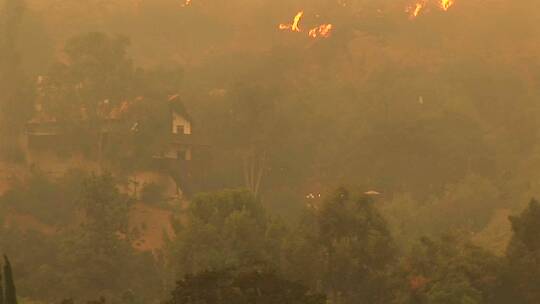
x=320 y=31
x=446 y=4
x=186 y=3
x=323 y=30
x=295 y=26
x=416 y=9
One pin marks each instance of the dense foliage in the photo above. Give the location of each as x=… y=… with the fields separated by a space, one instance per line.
x=342 y=247
x=433 y=119
x=213 y=287
x=89 y=256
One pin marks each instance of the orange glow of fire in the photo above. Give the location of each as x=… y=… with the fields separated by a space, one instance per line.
x=415 y=10
x=446 y=4
x=295 y=26
x=323 y=30
x=186 y=3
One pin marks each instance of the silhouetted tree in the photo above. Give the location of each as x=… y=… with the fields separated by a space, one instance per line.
x=98 y=69
x=10 y=292
x=448 y=270
x=238 y=287
x=98 y=257
x=224 y=229
x=345 y=248
x=523 y=254
x=1 y=289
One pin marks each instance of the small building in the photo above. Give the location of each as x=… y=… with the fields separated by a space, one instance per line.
x=56 y=145
x=182 y=137
x=185 y=156
x=183 y=142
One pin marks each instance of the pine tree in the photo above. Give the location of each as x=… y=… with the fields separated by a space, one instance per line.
x=10 y=294
x=1 y=289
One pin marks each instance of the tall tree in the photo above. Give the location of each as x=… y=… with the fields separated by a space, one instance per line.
x=97 y=256
x=10 y=292
x=98 y=72
x=448 y=270
x=349 y=243
x=225 y=229
x=254 y=115
x=523 y=254
x=1 y=289
x=96 y=77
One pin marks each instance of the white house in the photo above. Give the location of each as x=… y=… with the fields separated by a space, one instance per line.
x=180 y=124
x=181 y=145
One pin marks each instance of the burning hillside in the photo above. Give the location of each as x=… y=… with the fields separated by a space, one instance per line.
x=319 y=31
x=422 y=6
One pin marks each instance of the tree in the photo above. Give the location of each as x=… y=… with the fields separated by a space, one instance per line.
x=97 y=258
x=467 y=205
x=82 y=91
x=523 y=254
x=10 y=293
x=225 y=229
x=240 y=286
x=349 y=243
x=97 y=69
x=448 y=270
x=2 y=299
x=254 y=116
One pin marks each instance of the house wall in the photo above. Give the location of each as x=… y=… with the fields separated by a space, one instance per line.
x=179 y=120
x=173 y=153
